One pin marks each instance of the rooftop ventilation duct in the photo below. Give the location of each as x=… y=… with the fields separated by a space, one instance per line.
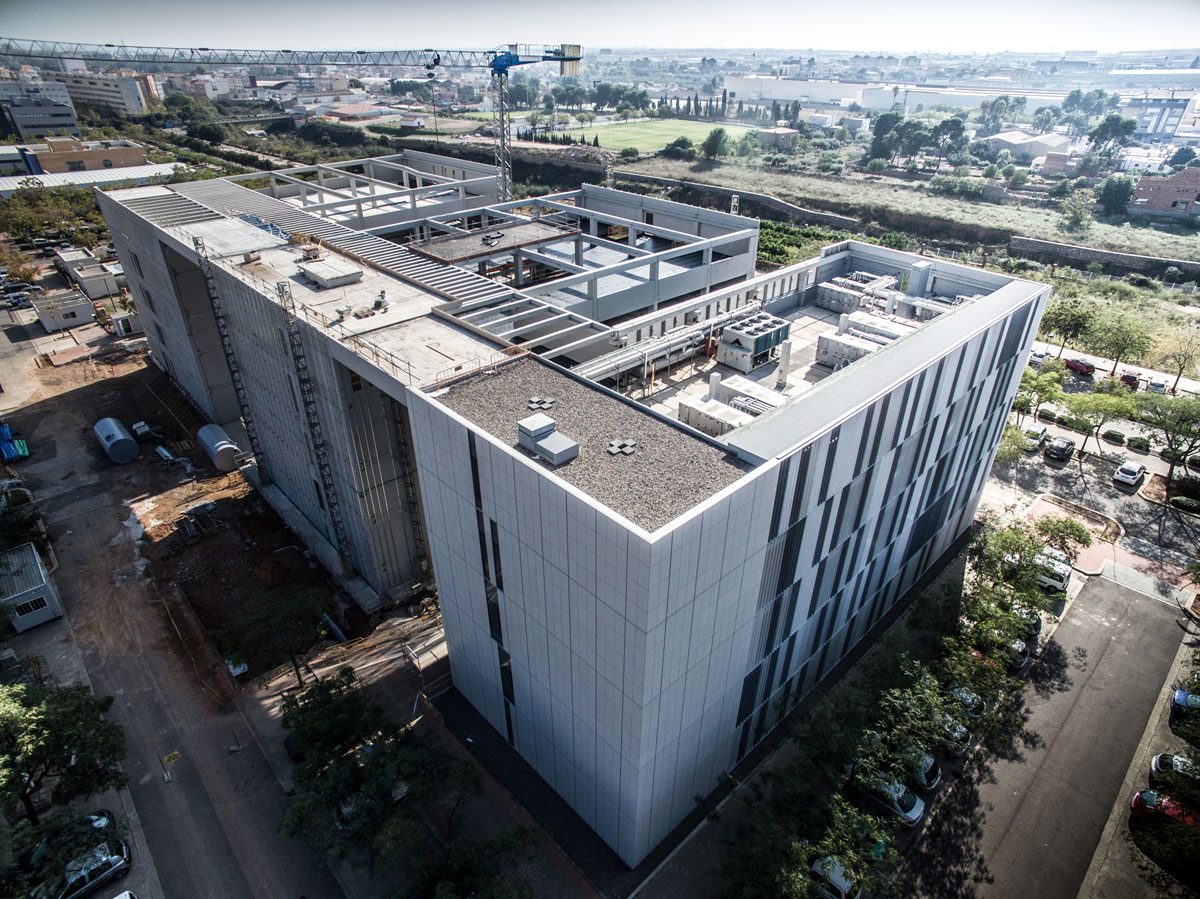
x=538 y=435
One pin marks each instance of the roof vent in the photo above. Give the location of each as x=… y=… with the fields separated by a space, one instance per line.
x=621 y=447
x=538 y=435
x=540 y=404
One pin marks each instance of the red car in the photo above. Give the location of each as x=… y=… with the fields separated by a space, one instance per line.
x=1152 y=804
x=1080 y=365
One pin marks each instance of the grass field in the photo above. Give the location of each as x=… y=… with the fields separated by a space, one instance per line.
x=646 y=137
x=854 y=196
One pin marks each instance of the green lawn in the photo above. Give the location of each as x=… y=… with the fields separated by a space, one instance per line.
x=646 y=137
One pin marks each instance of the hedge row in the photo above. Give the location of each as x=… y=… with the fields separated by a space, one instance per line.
x=1186 y=503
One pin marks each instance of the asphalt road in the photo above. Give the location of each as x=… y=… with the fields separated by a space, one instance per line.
x=1024 y=818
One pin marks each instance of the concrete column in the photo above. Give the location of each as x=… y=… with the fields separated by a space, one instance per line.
x=714 y=385
x=579 y=250
x=518 y=269
x=708 y=253
x=785 y=363
x=632 y=238
x=657 y=289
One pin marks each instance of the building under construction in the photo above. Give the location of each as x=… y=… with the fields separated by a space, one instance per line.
x=661 y=495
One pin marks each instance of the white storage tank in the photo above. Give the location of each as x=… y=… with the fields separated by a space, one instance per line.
x=116 y=440
x=218 y=447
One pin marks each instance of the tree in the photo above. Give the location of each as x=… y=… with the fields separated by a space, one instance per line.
x=1119 y=333
x=680 y=148
x=1115 y=194
x=1098 y=409
x=1066 y=535
x=1174 y=422
x=330 y=717
x=1068 y=318
x=1012 y=445
x=1112 y=132
x=1179 y=349
x=1076 y=211
x=272 y=623
x=1182 y=157
x=1041 y=385
x=881 y=146
x=716 y=144
x=58 y=734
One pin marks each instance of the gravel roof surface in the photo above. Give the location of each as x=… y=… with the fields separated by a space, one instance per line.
x=668 y=473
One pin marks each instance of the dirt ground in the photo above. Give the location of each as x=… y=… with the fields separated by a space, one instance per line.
x=238 y=546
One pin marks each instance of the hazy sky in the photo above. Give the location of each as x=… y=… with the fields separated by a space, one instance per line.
x=875 y=25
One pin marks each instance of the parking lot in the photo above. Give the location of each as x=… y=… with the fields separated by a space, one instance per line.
x=1025 y=819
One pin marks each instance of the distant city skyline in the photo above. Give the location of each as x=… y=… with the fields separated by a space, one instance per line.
x=862 y=26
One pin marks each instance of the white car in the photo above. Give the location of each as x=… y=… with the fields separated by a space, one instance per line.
x=1034 y=436
x=897 y=799
x=1036 y=358
x=832 y=881
x=1156 y=386
x=1130 y=473
x=1054 y=575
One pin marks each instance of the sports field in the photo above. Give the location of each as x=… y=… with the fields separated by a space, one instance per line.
x=646 y=137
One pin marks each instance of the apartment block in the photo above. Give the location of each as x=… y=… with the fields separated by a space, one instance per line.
x=121 y=93
x=661 y=495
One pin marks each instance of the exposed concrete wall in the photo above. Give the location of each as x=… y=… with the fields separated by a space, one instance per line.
x=1051 y=251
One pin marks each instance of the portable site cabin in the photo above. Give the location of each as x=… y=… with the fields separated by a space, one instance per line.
x=26 y=588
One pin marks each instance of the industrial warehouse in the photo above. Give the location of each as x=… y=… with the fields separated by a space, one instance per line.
x=661 y=495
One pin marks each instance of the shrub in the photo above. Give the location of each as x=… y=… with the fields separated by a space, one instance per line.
x=876 y=165
x=1141 y=444
x=1194 y=462
x=1189 y=487
x=1186 y=504
x=1047 y=415
x=1114 y=437
x=1172 y=456
x=1082 y=425
x=629 y=153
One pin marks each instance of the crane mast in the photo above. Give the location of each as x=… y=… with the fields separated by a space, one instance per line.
x=497 y=61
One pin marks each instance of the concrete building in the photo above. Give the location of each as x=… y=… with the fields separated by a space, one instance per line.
x=121 y=93
x=95 y=279
x=62 y=310
x=1176 y=197
x=1025 y=146
x=32 y=108
x=631 y=602
x=70 y=154
x=784 y=138
x=26 y=588
x=1158 y=114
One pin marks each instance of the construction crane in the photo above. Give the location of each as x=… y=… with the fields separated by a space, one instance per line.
x=498 y=62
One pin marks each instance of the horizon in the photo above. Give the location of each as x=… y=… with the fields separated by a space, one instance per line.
x=932 y=26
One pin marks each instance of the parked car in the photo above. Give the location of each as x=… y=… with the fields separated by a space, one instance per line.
x=972 y=703
x=105 y=863
x=897 y=800
x=1156 y=386
x=82 y=829
x=1060 y=448
x=1037 y=357
x=1151 y=804
x=831 y=880
x=1054 y=575
x=1080 y=366
x=1018 y=655
x=1184 y=703
x=955 y=736
x=1130 y=379
x=929 y=772
x=1168 y=763
x=1130 y=472
x=1034 y=436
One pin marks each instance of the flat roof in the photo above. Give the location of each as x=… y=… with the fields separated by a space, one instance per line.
x=11 y=183
x=500 y=239
x=20 y=570
x=669 y=472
